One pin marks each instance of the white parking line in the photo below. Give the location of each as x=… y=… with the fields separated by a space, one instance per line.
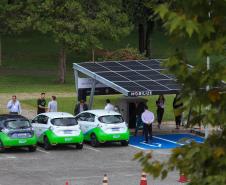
x=7 y=157
x=168 y=140
x=90 y=148
x=42 y=151
x=138 y=147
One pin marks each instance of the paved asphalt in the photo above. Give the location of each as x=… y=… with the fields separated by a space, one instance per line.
x=78 y=167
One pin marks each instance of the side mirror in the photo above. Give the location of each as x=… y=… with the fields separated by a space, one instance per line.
x=32 y=121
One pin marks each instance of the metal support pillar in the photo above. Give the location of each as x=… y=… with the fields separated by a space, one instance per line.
x=92 y=94
x=76 y=84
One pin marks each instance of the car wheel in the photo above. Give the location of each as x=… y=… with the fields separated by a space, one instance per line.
x=2 y=148
x=79 y=146
x=32 y=148
x=94 y=141
x=124 y=143
x=47 y=144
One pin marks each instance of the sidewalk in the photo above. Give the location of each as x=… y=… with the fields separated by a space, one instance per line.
x=169 y=127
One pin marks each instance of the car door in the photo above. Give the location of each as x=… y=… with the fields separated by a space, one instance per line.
x=40 y=124
x=90 y=122
x=86 y=121
x=82 y=121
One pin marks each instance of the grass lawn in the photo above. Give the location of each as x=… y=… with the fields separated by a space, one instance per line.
x=68 y=104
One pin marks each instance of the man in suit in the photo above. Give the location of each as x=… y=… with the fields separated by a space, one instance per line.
x=81 y=106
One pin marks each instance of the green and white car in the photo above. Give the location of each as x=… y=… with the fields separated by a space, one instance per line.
x=100 y=126
x=57 y=128
x=16 y=131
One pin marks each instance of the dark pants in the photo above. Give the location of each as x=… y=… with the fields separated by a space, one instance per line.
x=147 y=130
x=139 y=124
x=178 y=120
x=160 y=113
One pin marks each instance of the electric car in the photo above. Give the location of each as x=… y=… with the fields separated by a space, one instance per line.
x=100 y=126
x=57 y=128
x=16 y=131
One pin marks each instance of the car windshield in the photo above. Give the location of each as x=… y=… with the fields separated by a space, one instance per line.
x=64 y=121
x=111 y=119
x=17 y=124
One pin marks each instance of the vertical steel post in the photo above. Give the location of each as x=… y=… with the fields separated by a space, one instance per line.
x=92 y=94
x=76 y=84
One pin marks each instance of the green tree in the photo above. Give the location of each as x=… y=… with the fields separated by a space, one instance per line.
x=202 y=88
x=144 y=21
x=77 y=25
x=14 y=19
x=107 y=21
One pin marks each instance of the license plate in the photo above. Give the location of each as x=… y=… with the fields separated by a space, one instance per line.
x=22 y=141
x=22 y=135
x=116 y=136
x=67 y=132
x=115 y=129
x=68 y=139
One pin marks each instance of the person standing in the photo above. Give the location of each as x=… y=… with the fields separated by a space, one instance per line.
x=81 y=106
x=52 y=105
x=139 y=123
x=160 y=103
x=178 y=110
x=41 y=104
x=109 y=106
x=14 y=106
x=147 y=118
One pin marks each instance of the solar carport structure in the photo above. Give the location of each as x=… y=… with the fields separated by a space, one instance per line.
x=131 y=78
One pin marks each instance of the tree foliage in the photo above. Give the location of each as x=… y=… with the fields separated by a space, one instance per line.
x=202 y=88
x=14 y=18
x=142 y=17
x=80 y=24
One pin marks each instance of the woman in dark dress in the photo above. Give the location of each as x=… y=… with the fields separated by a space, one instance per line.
x=160 y=103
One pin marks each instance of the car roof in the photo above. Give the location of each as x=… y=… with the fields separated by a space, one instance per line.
x=11 y=116
x=102 y=112
x=53 y=115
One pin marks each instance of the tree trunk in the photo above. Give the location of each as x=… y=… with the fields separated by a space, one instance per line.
x=0 y=51
x=141 y=33
x=62 y=65
x=150 y=28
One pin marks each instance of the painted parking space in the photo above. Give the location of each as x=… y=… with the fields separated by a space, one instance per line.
x=166 y=141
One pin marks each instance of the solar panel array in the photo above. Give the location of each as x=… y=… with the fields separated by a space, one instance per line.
x=135 y=76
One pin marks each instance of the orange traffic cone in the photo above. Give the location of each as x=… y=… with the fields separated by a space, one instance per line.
x=66 y=183
x=182 y=178
x=143 y=179
x=105 y=180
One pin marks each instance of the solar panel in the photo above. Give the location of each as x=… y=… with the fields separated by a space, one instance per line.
x=133 y=75
x=112 y=76
x=132 y=78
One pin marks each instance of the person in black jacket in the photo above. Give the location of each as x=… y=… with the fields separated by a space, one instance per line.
x=160 y=103
x=81 y=106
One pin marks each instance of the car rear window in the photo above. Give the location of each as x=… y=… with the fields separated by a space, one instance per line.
x=17 y=124
x=64 y=121
x=111 y=119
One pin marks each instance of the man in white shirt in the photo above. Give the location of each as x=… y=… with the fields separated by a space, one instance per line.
x=109 y=106
x=14 y=106
x=52 y=105
x=147 y=118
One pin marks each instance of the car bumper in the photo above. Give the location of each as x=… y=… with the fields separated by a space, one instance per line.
x=105 y=137
x=55 y=140
x=18 y=142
